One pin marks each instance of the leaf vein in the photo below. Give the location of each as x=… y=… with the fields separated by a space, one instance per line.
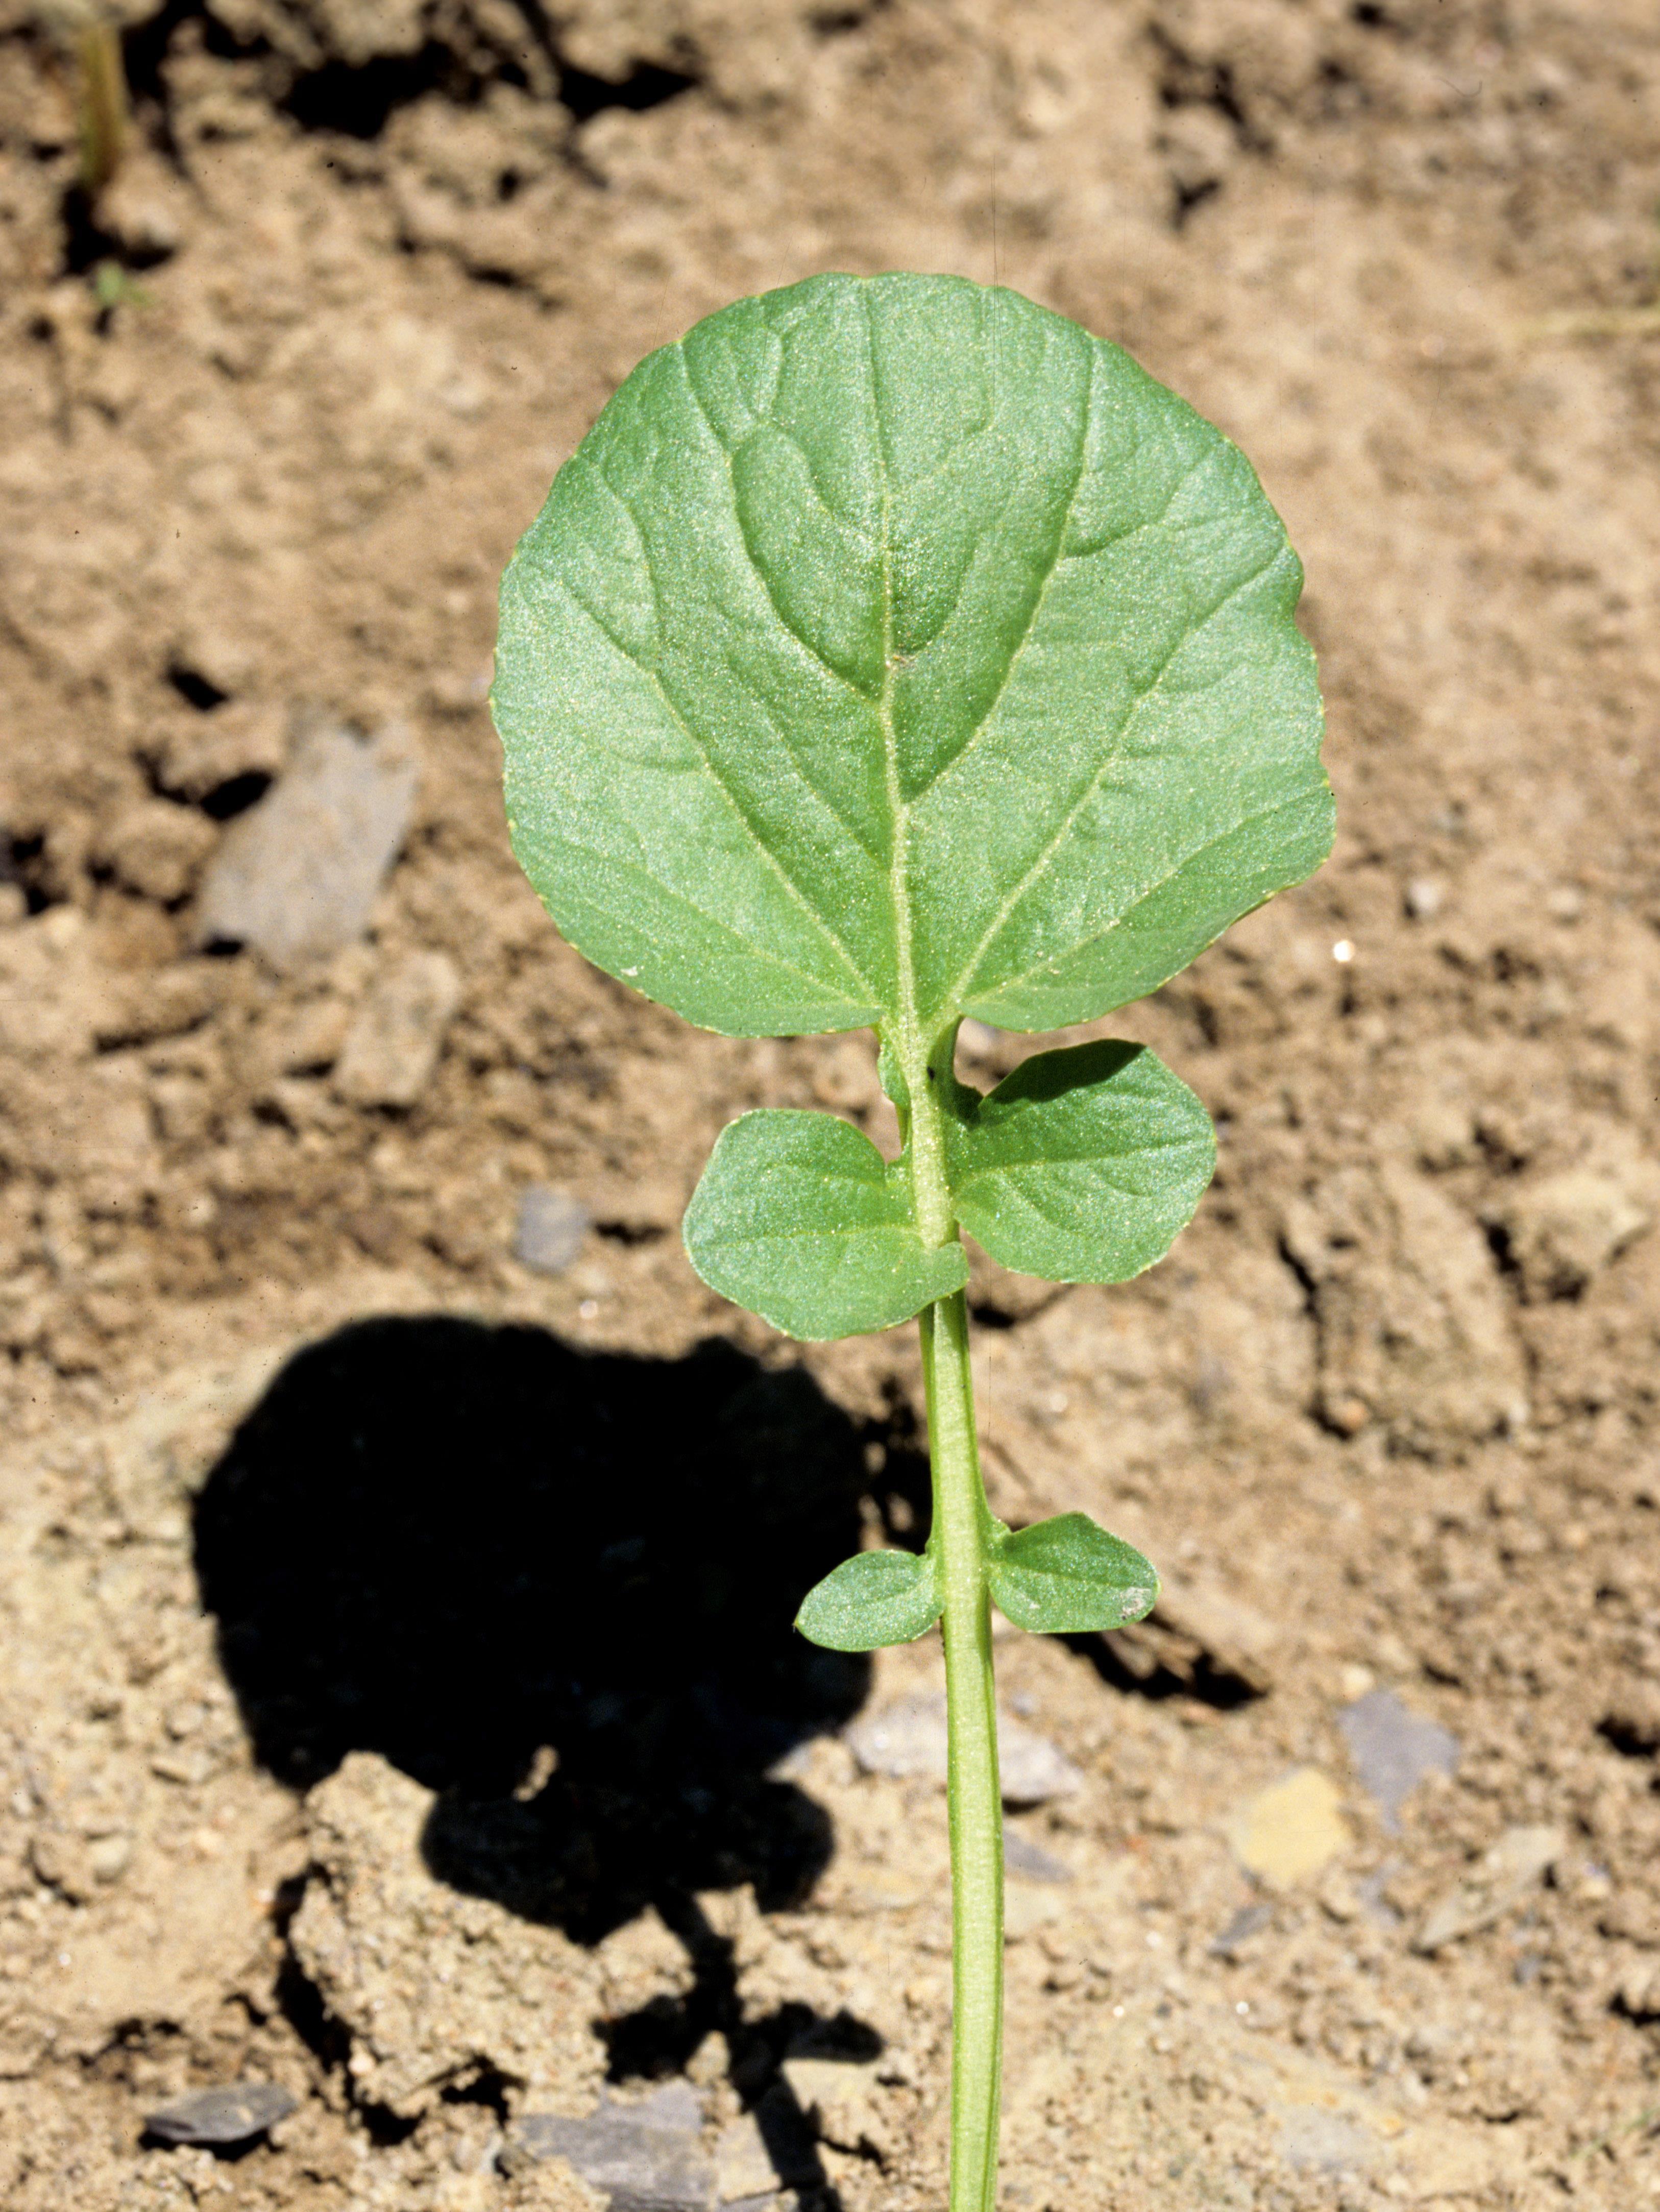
x=1039 y=598
x=761 y=950
x=1261 y=814
x=1009 y=905
x=768 y=857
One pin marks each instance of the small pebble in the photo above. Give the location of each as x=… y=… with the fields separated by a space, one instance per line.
x=1250 y=1920
x=1315 y=2141
x=1291 y=1830
x=908 y=1738
x=1509 y=1873
x=549 y=1233
x=296 y=876
x=234 y=2114
x=1392 y=1749
x=392 y=1045
x=1030 y=1861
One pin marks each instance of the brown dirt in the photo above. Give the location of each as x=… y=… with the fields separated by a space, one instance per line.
x=1388 y=1415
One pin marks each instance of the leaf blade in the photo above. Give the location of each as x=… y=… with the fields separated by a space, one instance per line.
x=892 y=648
x=872 y=1599
x=799 y=1218
x=1084 y=1164
x=1067 y=1576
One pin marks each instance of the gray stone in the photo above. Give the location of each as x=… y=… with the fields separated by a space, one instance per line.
x=1030 y=1861
x=1392 y=1749
x=394 y=1040
x=907 y=1740
x=549 y=1233
x=647 y=2157
x=297 y=875
x=1250 y=1920
x=234 y=2114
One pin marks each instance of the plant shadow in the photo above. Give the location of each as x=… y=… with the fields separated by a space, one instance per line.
x=557 y=1587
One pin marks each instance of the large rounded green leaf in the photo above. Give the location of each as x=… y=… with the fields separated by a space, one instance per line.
x=891 y=649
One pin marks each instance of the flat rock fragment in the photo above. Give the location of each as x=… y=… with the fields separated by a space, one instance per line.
x=647 y=2157
x=1209 y=1631
x=1288 y=1831
x=907 y=1740
x=1515 y=1866
x=233 y=2114
x=1250 y=1920
x=296 y=875
x=1033 y=1772
x=1314 y=2141
x=1393 y=1749
x=394 y=1040
x=1026 y=1911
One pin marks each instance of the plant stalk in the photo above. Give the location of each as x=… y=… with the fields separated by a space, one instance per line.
x=976 y=1798
x=102 y=103
x=961 y=1523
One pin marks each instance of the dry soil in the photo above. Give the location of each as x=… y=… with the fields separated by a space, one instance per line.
x=377 y=1710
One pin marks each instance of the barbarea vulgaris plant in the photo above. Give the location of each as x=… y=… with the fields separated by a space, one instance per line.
x=893 y=651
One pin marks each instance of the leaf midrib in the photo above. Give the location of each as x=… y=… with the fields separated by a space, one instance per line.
x=909 y=1044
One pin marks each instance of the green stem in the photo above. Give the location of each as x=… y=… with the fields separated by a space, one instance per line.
x=976 y=1800
x=962 y=1522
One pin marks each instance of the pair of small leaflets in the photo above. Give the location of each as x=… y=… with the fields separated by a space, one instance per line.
x=1082 y=1166
x=1060 y=1577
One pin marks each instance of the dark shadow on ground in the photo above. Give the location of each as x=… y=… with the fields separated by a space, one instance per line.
x=484 y=1553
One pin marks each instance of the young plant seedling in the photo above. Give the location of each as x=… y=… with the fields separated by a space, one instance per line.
x=892 y=651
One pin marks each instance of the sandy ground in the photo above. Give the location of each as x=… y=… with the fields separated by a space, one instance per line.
x=397 y=1698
